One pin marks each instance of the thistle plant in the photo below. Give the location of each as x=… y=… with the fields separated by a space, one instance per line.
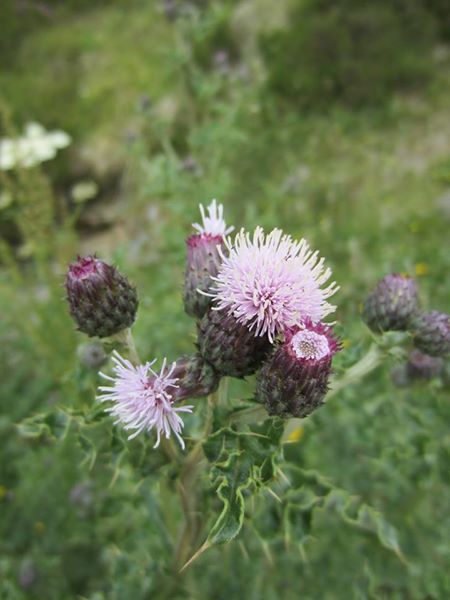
x=261 y=302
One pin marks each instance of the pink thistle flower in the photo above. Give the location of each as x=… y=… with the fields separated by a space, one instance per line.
x=312 y=343
x=144 y=399
x=271 y=283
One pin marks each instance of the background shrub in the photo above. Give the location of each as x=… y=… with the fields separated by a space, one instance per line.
x=354 y=52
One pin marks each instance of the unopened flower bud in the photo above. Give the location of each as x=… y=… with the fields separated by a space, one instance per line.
x=232 y=348
x=101 y=300
x=431 y=333
x=293 y=381
x=196 y=377
x=423 y=366
x=203 y=259
x=392 y=304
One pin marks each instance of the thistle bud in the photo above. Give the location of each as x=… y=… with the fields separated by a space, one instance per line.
x=196 y=377
x=293 y=381
x=203 y=259
x=431 y=333
x=101 y=300
x=230 y=347
x=203 y=262
x=392 y=304
x=423 y=366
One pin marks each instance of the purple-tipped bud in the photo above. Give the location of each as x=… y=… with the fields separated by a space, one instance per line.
x=293 y=381
x=392 y=304
x=196 y=378
x=231 y=348
x=203 y=259
x=419 y=367
x=101 y=300
x=203 y=262
x=431 y=332
x=423 y=366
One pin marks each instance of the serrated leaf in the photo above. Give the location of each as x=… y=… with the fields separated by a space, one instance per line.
x=240 y=460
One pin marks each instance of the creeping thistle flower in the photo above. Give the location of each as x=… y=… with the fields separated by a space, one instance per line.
x=203 y=259
x=101 y=300
x=431 y=333
x=392 y=304
x=143 y=400
x=270 y=283
x=294 y=379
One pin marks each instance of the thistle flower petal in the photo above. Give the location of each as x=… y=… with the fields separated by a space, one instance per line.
x=213 y=223
x=143 y=399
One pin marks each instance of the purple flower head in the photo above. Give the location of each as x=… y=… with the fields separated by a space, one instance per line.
x=88 y=271
x=312 y=343
x=271 y=283
x=392 y=304
x=101 y=300
x=144 y=399
x=293 y=381
x=431 y=331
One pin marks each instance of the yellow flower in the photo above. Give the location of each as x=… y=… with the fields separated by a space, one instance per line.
x=421 y=269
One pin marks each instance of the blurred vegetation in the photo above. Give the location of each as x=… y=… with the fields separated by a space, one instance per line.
x=332 y=126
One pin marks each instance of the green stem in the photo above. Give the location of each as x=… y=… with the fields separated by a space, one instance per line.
x=363 y=367
x=188 y=490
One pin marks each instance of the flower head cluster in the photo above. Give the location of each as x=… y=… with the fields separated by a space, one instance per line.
x=143 y=399
x=271 y=283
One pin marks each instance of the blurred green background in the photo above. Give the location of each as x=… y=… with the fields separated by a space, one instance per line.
x=327 y=118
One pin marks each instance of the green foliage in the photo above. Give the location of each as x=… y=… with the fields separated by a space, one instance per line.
x=352 y=52
x=241 y=460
